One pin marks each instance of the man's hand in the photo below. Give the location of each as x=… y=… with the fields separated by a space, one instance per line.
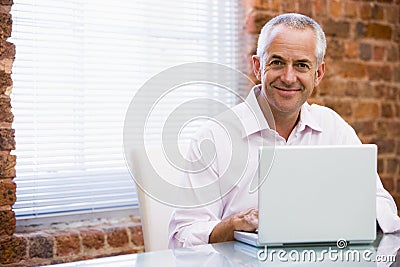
x=242 y=221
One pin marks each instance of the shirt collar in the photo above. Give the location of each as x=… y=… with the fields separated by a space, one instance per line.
x=307 y=119
x=253 y=119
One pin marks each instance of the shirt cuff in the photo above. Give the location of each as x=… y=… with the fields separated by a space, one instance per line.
x=195 y=234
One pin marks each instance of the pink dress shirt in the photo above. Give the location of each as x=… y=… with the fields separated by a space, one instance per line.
x=318 y=125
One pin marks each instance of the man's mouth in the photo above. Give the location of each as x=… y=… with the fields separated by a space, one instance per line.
x=287 y=89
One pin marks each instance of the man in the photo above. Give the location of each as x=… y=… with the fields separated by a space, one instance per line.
x=290 y=64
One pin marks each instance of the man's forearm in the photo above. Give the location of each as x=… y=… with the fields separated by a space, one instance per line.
x=223 y=231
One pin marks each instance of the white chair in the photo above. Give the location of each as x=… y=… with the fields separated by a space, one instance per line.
x=155 y=215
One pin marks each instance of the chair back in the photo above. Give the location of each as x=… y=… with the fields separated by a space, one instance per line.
x=155 y=215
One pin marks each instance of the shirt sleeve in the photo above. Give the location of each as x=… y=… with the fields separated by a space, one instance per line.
x=193 y=225
x=386 y=210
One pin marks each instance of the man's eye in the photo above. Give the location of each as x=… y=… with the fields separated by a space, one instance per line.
x=276 y=63
x=303 y=66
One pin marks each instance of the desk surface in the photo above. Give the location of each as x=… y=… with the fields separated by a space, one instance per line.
x=380 y=253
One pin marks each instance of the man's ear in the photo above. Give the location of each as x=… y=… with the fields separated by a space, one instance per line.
x=319 y=73
x=256 y=67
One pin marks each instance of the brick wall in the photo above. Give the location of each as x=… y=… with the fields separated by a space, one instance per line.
x=7 y=143
x=362 y=79
x=58 y=245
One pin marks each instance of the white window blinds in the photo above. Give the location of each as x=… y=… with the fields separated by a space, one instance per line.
x=77 y=66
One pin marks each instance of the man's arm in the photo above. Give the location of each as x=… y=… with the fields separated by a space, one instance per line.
x=386 y=210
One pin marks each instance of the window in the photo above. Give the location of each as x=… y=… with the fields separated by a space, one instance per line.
x=77 y=66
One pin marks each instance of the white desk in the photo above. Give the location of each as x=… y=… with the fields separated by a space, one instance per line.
x=239 y=254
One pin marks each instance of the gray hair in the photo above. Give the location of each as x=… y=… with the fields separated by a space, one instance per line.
x=294 y=21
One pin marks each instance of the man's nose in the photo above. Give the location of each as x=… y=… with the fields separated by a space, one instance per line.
x=289 y=75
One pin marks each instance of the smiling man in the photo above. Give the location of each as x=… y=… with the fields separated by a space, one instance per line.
x=290 y=64
x=289 y=70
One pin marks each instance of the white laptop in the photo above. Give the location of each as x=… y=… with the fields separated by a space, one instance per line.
x=315 y=195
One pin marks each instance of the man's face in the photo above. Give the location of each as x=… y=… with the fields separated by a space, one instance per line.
x=288 y=70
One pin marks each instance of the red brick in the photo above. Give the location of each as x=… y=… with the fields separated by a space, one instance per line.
x=396 y=35
x=288 y=6
x=348 y=69
x=335 y=8
x=398 y=148
x=256 y=20
x=6 y=2
x=7 y=141
x=351 y=49
x=396 y=74
x=5 y=81
x=136 y=235
x=360 y=29
x=378 y=31
x=336 y=28
x=276 y=5
x=117 y=237
x=321 y=7
x=5 y=9
x=397 y=107
x=13 y=249
x=350 y=9
x=7 y=222
x=381 y=129
x=7 y=164
x=324 y=88
x=332 y=87
x=393 y=53
x=366 y=110
x=41 y=246
x=5 y=26
x=394 y=129
x=365 y=11
x=259 y=4
x=392 y=165
x=392 y=13
x=335 y=49
x=387 y=110
x=341 y=107
x=385 y=92
x=364 y=127
x=359 y=89
x=7 y=50
x=388 y=183
x=365 y=51
x=305 y=7
x=371 y=11
x=7 y=192
x=93 y=239
x=385 y=145
x=67 y=244
x=379 y=53
x=377 y=12
x=379 y=72
x=381 y=167
x=5 y=107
